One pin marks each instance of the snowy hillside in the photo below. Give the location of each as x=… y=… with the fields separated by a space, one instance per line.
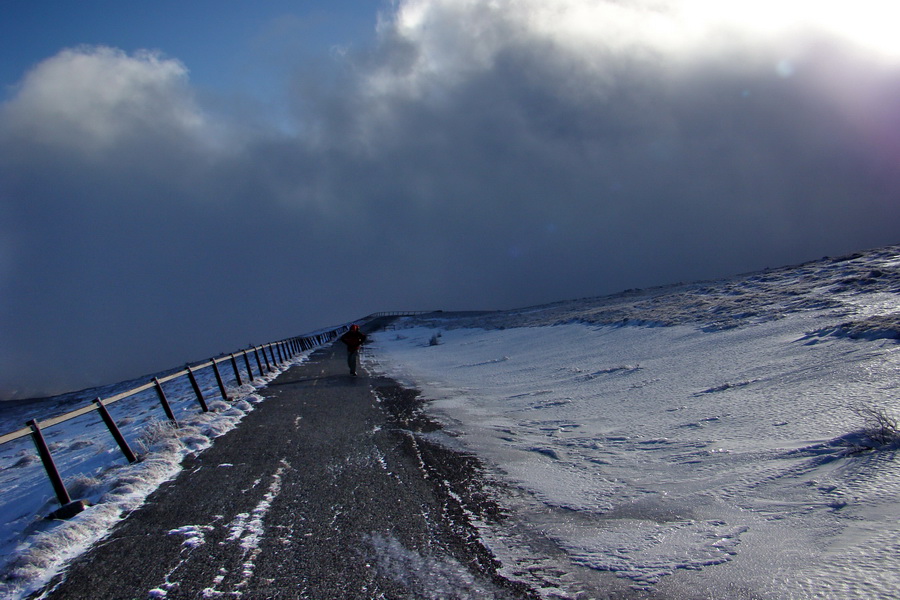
x=697 y=441
x=692 y=441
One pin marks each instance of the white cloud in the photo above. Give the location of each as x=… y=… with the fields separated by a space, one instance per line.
x=90 y=98
x=454 y=38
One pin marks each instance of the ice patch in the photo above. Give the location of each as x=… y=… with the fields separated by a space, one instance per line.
x=425 y=576
x=195 y=535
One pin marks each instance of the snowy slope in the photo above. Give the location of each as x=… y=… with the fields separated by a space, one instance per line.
x=697 y=441
x=691 y=441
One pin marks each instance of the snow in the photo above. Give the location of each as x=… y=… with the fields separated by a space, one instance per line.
x=246 y=530
x=426 y=577
x=34 y=549
x=698 y=440
x=718 y=452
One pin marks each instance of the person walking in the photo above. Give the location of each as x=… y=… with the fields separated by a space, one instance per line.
x=354 y=338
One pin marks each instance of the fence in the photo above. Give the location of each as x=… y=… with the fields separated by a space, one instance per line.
x=402 y=313
x=263 y=357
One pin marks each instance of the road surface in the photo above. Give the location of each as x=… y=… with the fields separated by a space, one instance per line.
x=329 y=489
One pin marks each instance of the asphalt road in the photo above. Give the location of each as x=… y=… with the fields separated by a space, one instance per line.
x=330 y=489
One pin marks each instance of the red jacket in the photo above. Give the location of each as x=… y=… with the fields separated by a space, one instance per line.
x=354 y=339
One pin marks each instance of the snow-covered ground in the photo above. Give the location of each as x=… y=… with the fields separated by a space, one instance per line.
x=691 y=441
x=33 y=549
x=694 y=441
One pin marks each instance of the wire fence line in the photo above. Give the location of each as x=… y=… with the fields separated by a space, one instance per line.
x=202 y=382
x=402 y=313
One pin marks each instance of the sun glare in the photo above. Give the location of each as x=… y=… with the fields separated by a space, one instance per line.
x=868 y=23
x=692 y=25
x=458 y=36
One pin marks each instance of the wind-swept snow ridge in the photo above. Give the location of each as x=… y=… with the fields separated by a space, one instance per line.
x=863 y=287
x=698 y=440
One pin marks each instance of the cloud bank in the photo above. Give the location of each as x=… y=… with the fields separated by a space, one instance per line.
x=478 y=155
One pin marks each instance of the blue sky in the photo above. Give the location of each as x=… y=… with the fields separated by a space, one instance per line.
x=179 y=179
x=231 y=46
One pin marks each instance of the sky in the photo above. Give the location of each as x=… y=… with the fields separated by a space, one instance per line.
x=183 y=179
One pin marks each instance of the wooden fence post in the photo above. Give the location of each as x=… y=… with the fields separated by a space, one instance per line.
x=165 y=403
x=266 y=358
x=219 y=381
x=276 y=354
x=114 y=430
x=197 y=391
x=247 y=362
x=258 y=361
x=62 y=495
x=237 y=372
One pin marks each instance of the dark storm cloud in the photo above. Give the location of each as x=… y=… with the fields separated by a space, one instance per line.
x=543 y=168
x=474 y=158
